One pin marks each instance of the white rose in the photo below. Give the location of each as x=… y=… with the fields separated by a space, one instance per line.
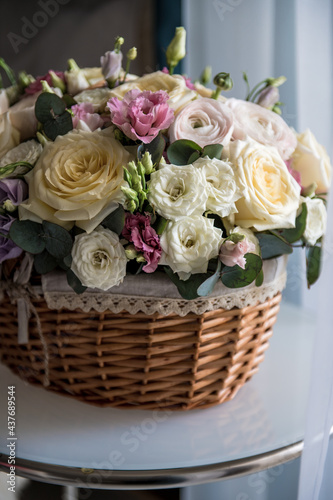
x=189 y=243
x=99 y=259
x=271 y=195
x=4 y=102
x=316 y=220
x=97 y=97
x=204 y=121
x=174 y=85
x=22 y=116
x=77 y=178
x=82 y=78
x=9 y=135
x=28 y=151
x=311 y=160
x=175 y=192
x=262 y=125
x=222 y=187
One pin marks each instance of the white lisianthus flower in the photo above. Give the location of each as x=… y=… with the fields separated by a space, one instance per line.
x=9 y=135
x=262 y=125
x=28 y=151
x=270 y=193
x=178 y=191
x=204 y=121
x=99 y=259
x=77 y=179
x=82 y=78
x=189 y=243
x=174 y=85
x=311 y=160
x=222 y=187
x=316 y=220
x=97 y=97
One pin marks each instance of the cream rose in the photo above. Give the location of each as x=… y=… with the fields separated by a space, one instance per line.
x=175 y=192
x=204 y=121
x=9 y=135
x=189 y=243
x=4 y=102
x=271 y=195
x=174 y=85
x=82 y=78
x=316 y=220
x=97 y=97
x=99 y=259
x=28 y=151
x=311 y=160
x=77 y=179
x=222 y=186
x=22 y=116
x=262 y=125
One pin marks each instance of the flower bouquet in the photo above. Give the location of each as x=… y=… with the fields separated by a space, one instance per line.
x=147 y=204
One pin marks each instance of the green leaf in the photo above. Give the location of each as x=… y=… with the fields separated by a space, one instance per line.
x=187 y=289
x=313 y=265
x=115 y=221
x=67 y=261
x=51 y=111
x=58 y=241
x=194 y=156
x=208 y=285
x=260 y=278
x=179 y=152
x=44 y=262
x=160 y=225
x=236 y=277
x=28 y=235
x=155 y=148
x=74 y=282
x=272 y=246
x=16 y=169
x=296 y=233
x=213 y=151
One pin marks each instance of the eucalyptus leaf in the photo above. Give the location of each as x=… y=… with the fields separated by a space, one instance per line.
x=74 y=282
x=179 y=152
x=194 y=156
x=187 y=289
x=44 y=262
x=213 y=151
x=272 y=246
x=16 y=169
x=115 y=221
x=208 y=285
x=313 y=264
x=51 y=111
x=236 y=277
x=260 y=278
x=155 y=148
x=58 y=241
x=28 y=235
x=296 y=233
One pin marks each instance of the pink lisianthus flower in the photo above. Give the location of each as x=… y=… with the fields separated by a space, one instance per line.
x=234 y=253
x=144 y=238
x=36 y=86
x=141 y=115
x=85 y=118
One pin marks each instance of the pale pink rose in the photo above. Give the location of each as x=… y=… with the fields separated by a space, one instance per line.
x=141 y=115
x=204 y=121
x=262 y=125
x=22 y=116
x=85 y=119
x=234 y=253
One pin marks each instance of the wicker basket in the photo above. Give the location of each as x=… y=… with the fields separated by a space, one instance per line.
x=139 y=361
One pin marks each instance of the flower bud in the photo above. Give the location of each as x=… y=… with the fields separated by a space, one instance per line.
x=176 y=50
x=130 y=252
x=72 y=66
x=132 y=53
x=46 y=87
x=111 y=65
x=24 y=79
x=9 y=206
x=223 y=81
x=268 y=97
x=276 y=82
x=147 y=163
x=42 y=139
x=140 y=258
x=130 y=193
x=206 y=75
x=309 y=191
x=118 y=43
x=57 y=82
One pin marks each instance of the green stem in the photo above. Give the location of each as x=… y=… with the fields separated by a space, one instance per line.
x=128 y=63
x=8 y=70
x=248 y=97
x=216 y=93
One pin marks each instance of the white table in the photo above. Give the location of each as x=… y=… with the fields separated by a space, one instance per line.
x=63 y=441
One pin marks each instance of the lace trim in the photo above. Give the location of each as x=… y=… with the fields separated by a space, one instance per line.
x=116 y=303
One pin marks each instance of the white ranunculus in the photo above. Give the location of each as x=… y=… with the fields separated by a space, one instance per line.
x=204 y=121
x=99 y=259
x=174 y=85
x=22 y=116
x=175 y=192
x=270 y=193
x=311 y=160
x=316 y=220
x=262 y=125
x=189 y=243
x=82 y=78
x=222 y=186
x=77 y=179
x=9 y=135
x=97 y=97
x=28 y=151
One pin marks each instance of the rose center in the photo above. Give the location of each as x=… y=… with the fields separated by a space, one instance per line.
x=189 y=242
x=100 y=258
x=177 y=189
